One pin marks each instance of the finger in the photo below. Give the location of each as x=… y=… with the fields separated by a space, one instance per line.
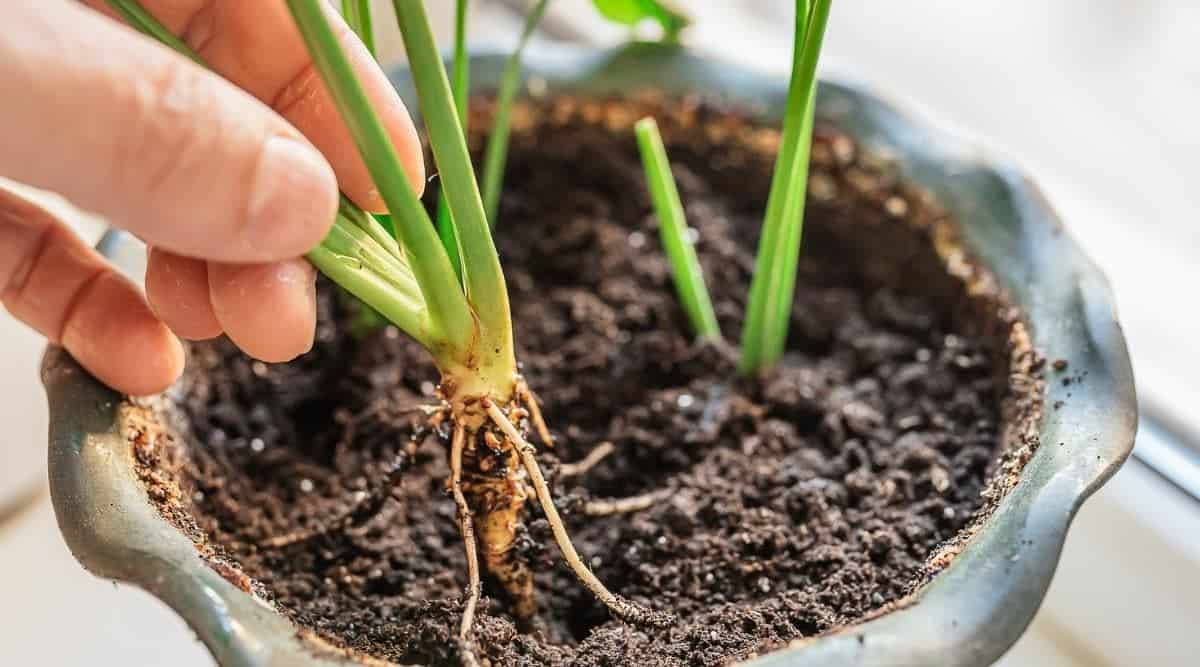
x=268 y=310
x=54 y=283
x=177 y=289
x=256 y=45
x=157 y=144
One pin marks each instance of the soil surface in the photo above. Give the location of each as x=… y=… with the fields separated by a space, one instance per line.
x=785 y=506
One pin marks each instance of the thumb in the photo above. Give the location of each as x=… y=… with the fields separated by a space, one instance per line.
x=154 y=142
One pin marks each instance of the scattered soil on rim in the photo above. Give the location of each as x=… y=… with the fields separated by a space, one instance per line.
x=786 y=505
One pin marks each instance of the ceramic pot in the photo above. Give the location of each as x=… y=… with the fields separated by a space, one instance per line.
x=968 y=614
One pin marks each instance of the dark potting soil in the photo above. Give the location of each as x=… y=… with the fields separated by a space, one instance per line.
x=784 y=506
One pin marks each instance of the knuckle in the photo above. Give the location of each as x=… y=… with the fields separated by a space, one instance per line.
x=28 y=252
x=80 y=302
x=50 y=282
x=298 y=89
x=305 y=83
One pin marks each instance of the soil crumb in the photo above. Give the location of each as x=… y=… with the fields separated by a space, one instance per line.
x=786 y=505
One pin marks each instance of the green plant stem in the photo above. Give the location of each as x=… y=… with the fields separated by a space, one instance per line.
x=460 y=84
x=355 y=260
x=140 y=19
x=672 y=227
x=370 y=225
x=495 y=155
x=385 y=221
x=769 y=309
x=358 y=17
x=452 y=324
x=482 y=276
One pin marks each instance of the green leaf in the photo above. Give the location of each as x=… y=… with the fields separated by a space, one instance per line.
x=461 y=87
x=633 y=12
x=495 y=156
x=768 y=312
x=449 y=238
x=385 y=221
x=673 y=229
x=358 y=17
x=137 y=17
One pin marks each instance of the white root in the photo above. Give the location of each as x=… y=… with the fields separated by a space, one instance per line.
x=610 y=506
x=621 y=608
x=593 y=458
x=467 y=528
x=525 y=395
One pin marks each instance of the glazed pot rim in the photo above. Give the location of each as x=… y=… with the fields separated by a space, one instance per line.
x=968 y=614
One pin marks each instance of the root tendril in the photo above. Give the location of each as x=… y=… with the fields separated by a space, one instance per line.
x=620 y=607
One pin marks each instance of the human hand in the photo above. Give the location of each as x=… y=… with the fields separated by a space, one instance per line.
x=229 y=177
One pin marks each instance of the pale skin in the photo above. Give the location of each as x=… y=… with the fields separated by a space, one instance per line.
x=230 y=177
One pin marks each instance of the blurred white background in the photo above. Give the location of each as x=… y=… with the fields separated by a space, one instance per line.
x=1098 y=99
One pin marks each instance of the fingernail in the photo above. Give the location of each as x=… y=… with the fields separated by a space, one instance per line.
x=293 y=201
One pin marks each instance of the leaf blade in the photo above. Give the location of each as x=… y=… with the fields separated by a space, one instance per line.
x=764 y=334
x=673 y=229
x=460 y=87
x=358 y=17
x=138 y=18
x=495 y=156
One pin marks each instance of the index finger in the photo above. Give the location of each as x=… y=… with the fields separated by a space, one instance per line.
x=256 y=46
